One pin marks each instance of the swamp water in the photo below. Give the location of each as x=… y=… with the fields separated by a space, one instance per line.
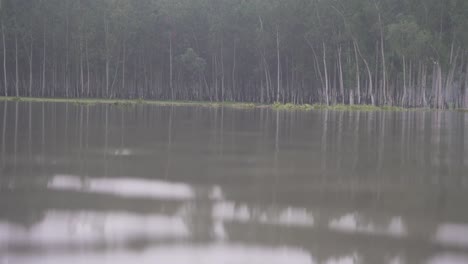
x=193 y=184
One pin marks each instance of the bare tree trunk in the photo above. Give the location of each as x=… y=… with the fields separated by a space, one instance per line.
x=124 y=54
x=106 y=32
x=340 y=72
x=465 y=89
x=67 y=82
x=437 y=81
x=170 y=66
x=87 y=67
x=449 y=93
x=316 y=64
x=234 y=67
x=44 y=62
x=30 y=67
x=267 y=78
x=440 y=102
x=5 y=81
x=214 y=62
x=358 y=75
x=278 y=65
x=384 y=71
x=403 y=99
x=222 y=72
x=409 y=87
x=114 y=79
x=81 y=66
x=16 y=65
x=325 y=72
x=262 y=99
x=369 y=75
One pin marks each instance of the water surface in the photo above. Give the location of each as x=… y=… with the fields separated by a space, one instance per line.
x=162 y=184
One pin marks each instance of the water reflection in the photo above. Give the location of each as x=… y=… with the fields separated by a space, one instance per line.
x=4 y=127
x=178 y=184
x=123 y=187
x=182 y=254
x=58 y=228
x=452 y=234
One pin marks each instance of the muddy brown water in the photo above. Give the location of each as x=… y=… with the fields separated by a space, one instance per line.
x=194 y=184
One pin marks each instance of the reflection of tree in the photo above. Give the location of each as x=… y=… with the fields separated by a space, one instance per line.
x=198 y=216
x=26 y=217
x=5 y=112
x=260 y=168
x=29 y=203
x=326 y=244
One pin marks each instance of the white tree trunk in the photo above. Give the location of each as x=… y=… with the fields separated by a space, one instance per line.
x=325 y=72
x=278 y=65
x=5 y=81
x=16 y=66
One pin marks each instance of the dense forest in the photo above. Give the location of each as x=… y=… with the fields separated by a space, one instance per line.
x=410 y=53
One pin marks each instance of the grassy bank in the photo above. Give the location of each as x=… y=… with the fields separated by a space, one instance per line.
x=338 y=107
x=276 y=106
x=125 y=102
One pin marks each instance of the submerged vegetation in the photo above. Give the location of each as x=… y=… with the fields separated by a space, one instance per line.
x=298 y=52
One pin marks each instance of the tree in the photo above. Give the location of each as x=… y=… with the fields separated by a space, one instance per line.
x=401 y=52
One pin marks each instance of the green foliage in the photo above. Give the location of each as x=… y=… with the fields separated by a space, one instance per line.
x=192 y=64
x=408 y=39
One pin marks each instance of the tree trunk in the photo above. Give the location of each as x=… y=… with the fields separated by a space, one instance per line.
x=87 y=67
x=44 y=62
x=437 y=81
x=106 y=39
x=424 y=84
x=325 y=73
x=358 y=75
x=449 y=93
x=16 y=65
x=384 y=71
x=340 y=72
x=317 y=65
x=403 y=99
x=5 y=81
x=278 y=65
x=31 y=67
x=409 y=87
x=124 y=55
x=214 y=62
x=465 y=89
x=222 y=72
x=67 y=82
x=369 y=75
x=81 y=66
x=234 y=67
x=170 y=66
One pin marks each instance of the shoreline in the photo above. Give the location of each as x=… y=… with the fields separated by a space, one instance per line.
x=240 y=105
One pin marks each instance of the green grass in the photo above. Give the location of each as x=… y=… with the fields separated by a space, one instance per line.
x=290 y=106
x=367 y=108
x=238 y=105
x=338 y=107
x=127 y=102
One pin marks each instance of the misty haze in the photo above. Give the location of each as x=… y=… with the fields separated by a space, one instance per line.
x=234 y=131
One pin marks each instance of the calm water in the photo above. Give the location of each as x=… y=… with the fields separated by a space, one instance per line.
x=106 y=184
